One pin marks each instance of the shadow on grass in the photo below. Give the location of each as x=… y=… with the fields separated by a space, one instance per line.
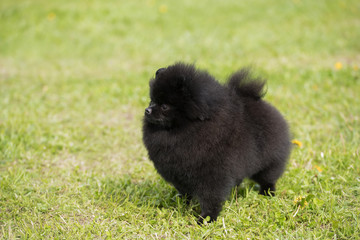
x=154 y=193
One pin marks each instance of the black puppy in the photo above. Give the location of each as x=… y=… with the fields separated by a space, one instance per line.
x=205 y=138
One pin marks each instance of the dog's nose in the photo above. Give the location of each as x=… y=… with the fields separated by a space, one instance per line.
x=148 y=111
x=159 y=71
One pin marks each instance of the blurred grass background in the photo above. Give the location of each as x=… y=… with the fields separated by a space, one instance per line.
x=74 y=83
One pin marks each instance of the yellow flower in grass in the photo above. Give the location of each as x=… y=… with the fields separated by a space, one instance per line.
x=51 y=16
x=298 y=199
x=355 y=67
x=163 y=8
x=301 y=201
x=338 y=65
x=297 y=142
x=318 y=168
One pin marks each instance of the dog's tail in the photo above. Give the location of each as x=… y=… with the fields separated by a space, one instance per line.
x=245 y=85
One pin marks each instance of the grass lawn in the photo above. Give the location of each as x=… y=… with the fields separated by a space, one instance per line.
x=74 y=85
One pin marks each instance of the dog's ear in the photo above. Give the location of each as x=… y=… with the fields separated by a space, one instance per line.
x=159 y=71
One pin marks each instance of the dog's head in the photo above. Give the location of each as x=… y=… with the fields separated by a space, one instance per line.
x=178 y=94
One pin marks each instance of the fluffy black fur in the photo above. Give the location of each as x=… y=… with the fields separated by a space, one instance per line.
x=205 y=138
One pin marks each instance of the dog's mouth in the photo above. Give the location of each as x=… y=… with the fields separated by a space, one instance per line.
x=154 y=120
x=157 y=121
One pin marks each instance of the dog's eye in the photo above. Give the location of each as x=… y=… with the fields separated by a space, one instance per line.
x=164 y=107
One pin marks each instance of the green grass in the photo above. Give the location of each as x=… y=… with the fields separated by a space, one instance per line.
x=74 y=85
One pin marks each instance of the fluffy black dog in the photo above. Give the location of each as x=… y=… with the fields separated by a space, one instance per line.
x=205 y=138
